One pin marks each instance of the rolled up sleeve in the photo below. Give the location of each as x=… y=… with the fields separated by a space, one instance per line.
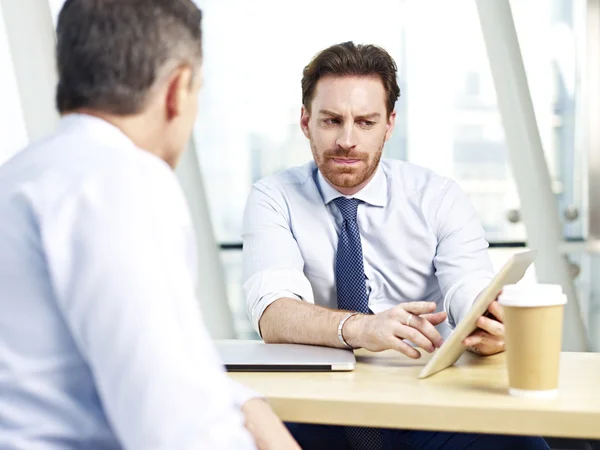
x=273 y=264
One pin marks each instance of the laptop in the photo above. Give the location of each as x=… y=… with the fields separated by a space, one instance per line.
x=256 y=356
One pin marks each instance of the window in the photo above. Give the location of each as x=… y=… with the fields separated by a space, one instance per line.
x=448 y=118
x=447 y=115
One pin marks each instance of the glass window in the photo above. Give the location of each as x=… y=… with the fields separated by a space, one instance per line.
x=552 y=36
x=448 y=119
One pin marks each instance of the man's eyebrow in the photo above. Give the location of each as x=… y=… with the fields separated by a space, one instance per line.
x=326 y=112
x=370 y=116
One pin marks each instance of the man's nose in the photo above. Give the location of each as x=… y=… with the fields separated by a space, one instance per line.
x=347 y=137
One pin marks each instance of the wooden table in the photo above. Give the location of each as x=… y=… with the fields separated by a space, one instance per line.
x=383 y=391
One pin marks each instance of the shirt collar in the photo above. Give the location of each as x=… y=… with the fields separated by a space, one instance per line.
x=374 y=193
x=100 y=129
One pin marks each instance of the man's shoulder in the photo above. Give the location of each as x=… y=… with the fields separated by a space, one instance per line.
x=413 y=179
x=69 y=152
x=64 y=165
x=292 y=179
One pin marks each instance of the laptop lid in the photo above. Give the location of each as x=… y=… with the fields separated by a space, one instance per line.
x=256 y=356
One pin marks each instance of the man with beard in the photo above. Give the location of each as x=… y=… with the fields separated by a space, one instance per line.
x=353 y=251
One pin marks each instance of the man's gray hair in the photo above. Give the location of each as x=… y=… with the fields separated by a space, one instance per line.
x=110 y=53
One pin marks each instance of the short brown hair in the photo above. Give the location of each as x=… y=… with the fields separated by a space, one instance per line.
x=348 y=59
x=111 y=52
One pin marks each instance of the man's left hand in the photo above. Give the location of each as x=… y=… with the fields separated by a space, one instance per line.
x=488 y=339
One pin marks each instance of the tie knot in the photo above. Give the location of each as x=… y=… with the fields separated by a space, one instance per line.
x=347 y=206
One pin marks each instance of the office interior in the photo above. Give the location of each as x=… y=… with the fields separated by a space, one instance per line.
x=506 y=104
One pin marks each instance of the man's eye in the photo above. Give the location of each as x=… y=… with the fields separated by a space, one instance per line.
x=367 y=123
x=331 y=121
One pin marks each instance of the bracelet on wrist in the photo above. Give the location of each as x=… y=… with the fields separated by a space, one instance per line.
x=341 y=327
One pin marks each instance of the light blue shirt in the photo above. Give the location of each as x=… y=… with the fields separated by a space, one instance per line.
x=421 y=240
x=102 y=345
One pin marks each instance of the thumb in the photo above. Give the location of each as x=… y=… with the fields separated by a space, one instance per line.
x=419 y=308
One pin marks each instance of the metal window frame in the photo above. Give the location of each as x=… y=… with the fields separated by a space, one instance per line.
x=592 y=89
x=528 y=163
x=31 y=40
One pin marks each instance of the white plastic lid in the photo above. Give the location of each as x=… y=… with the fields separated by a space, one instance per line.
x=532 y=295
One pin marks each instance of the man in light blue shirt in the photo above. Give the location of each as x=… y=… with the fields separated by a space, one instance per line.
x=354 y=251
x=102 y=344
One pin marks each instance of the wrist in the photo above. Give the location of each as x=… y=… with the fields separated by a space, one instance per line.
x=352 y=330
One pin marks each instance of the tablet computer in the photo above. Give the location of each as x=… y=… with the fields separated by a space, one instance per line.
x=453 y=348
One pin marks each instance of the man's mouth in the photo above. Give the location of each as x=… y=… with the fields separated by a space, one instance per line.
x=345 y=161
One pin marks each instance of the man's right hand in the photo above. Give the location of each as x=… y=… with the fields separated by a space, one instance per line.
x=414 y=321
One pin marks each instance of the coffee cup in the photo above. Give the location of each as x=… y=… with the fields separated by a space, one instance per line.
x=533 y=319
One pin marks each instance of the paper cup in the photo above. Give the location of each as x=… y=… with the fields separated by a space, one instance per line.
x=533 y=318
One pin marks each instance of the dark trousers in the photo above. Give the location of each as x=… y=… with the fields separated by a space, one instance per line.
x=327 y=437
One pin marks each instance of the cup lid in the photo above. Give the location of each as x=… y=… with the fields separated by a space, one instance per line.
x=532 y=295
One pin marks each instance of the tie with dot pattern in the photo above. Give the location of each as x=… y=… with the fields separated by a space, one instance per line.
x=352 y=296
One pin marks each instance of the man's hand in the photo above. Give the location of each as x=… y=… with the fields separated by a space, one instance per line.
x=414 y=321
x=488 y=339
x=268 y=431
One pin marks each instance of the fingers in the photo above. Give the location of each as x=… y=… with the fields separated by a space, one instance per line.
x=427 y=329
x=493 y=327
x=402 y=347
x=484 y=343
x=407 y=323
x=477 y=338
x=497 y=310
x=414 y=335
x=435 y=318
x=418 y=308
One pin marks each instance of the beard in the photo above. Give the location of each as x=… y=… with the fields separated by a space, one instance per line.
x=346 y=177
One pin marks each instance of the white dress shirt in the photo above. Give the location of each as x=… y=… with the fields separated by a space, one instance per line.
x=102 y=345
x=421 y=240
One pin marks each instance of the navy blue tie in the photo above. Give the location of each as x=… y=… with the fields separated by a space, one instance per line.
x=352 y=296
x=349 y=267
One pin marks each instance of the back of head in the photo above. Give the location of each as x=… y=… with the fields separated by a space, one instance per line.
x=110 y=53
x=348 y=59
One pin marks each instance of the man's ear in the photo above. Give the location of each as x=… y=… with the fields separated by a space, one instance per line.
x=179 y=91
x=389 y=128
x=304 y=119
